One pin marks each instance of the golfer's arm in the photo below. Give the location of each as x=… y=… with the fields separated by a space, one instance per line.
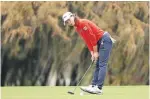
x=95 y=48
x=92 y=53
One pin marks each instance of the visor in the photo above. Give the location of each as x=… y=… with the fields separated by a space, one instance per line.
x=66 y=16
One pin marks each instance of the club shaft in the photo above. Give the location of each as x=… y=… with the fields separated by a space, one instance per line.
x=83 y=76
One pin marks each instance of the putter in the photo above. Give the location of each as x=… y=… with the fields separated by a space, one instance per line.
x=72 y=92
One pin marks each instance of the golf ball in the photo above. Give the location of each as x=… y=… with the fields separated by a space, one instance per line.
x=81 y=93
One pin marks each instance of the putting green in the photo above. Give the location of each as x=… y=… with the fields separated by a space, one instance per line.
x=47 y=92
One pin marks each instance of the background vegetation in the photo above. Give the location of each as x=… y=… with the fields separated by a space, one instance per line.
x=38 y=50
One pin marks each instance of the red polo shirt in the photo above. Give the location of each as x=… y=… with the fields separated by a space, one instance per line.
x=89 y=32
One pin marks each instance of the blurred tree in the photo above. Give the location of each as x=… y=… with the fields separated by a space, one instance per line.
x=38 y=50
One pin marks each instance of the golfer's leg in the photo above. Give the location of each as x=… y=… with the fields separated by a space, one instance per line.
x=104 y=53
x=101 y=74
x=95 y=76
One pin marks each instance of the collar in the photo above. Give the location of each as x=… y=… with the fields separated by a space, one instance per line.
x=77 y=22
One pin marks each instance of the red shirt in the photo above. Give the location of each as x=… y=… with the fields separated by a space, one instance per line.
x=89 y=32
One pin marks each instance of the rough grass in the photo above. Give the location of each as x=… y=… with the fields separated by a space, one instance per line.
x=110 y=92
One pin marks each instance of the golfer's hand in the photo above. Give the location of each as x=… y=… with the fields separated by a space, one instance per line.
x=92 y=57
x=95 y=56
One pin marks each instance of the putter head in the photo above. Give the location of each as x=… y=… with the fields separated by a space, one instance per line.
x=70 y=92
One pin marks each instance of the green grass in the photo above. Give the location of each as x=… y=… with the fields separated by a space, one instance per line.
x=47 y=92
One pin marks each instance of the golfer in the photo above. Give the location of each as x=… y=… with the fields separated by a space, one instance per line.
x=99 y=44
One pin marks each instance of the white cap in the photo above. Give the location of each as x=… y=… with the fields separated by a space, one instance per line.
x=66 y=16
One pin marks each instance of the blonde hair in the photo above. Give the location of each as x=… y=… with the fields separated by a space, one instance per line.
x=75 y=17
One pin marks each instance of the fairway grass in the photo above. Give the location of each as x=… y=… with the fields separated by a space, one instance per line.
x=47 y=92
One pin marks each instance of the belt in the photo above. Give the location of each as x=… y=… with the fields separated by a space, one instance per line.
x=112 y=39
x=105 y=32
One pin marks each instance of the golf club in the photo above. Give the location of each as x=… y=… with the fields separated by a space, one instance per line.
x=72 y=92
